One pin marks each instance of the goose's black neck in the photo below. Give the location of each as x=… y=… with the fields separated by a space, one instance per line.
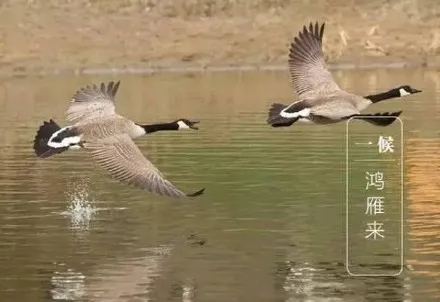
x=160 y=127
x=393 y=93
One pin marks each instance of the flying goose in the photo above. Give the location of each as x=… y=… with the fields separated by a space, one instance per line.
x=108 y=137
x=321 y=101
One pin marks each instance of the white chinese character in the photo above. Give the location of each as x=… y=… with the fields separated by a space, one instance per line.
x=375 y=229
x=375 y=180
x=385 y=144
x=375 y=205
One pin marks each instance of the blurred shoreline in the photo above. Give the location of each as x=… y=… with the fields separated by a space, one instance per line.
x=147 y=36
x=196 y=69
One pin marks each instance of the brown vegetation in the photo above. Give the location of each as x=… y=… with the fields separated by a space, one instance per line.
x=70 y=35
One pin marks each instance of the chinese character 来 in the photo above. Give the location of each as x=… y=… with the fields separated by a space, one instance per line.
x=375 y=230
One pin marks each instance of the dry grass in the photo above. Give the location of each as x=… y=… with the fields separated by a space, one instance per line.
x=37 y=34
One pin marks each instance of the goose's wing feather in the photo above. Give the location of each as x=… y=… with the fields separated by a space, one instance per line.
x=308 y=71
x=92 y=102
x=120 y=156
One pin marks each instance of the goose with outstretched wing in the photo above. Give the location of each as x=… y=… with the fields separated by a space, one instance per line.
x=108 y=137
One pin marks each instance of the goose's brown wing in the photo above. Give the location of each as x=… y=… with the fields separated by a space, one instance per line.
x=120 y=156
x=308 y=71
x=92 y=102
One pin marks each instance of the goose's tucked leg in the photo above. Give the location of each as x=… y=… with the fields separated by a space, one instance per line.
x=385 y=119
x=284 y=123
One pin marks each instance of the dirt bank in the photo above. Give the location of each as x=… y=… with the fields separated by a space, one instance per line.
x=65 y=35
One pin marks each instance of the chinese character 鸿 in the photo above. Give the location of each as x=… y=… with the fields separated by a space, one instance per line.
x=374 y=229
x=375 y=180
x=385 y=144
x=375 y=205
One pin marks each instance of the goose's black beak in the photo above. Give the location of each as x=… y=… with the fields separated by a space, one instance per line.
x=415 y=90
x=191 y=125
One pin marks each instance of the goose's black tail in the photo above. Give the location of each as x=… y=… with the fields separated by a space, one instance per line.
x=44 y=133
x=275 y=119
x=379 y=119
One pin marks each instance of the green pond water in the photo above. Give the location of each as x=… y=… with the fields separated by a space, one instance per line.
x=272 y=224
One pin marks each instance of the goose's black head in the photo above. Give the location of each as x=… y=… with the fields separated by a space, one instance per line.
x=406 y=90
x=186 y=124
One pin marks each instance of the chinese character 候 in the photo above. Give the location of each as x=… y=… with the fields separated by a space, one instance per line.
x=375 y=205
x=375 y=180
x=385 y=144
x=374 y=229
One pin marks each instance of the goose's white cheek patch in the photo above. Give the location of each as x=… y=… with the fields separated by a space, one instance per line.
x=302 y=113
x=182 y=125
x=403 y=92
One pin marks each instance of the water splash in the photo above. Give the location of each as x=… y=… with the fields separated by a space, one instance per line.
x=67 y=285
x=80 y=209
